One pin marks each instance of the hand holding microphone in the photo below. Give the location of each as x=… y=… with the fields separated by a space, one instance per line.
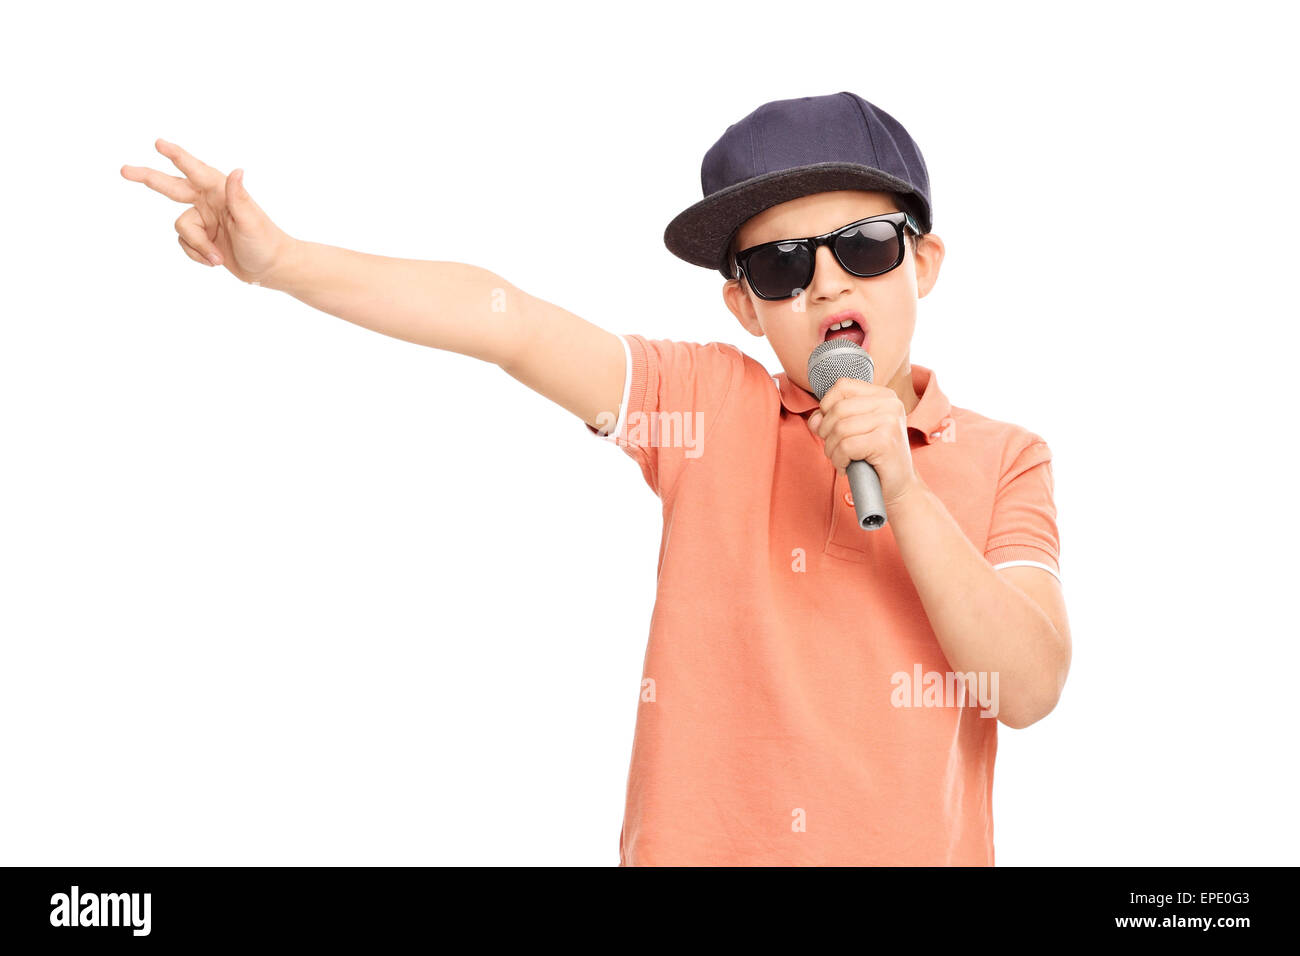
x=864 y=427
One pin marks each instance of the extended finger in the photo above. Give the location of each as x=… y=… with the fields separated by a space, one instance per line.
x=199 y=172
x=190 y=227
x=173 y=187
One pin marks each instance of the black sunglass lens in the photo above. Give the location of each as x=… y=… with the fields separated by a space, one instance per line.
x=869 y=249
x=778 y=270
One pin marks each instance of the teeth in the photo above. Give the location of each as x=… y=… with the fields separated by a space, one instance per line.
x=840 y=325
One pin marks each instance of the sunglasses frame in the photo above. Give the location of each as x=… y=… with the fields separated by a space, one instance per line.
x=900 y=220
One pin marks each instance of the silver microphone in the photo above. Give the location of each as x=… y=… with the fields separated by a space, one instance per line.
x=831 y=361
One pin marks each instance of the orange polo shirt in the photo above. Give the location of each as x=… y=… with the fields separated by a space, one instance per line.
x=769 y=728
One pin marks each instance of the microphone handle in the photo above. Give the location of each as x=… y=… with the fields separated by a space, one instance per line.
x=868 y=500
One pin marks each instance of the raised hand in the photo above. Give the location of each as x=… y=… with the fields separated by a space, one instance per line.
x=223 y=225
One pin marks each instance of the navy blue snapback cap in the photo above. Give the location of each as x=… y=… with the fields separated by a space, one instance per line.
x=791 y=148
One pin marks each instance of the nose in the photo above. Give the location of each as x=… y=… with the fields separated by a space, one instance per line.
x=829 y=279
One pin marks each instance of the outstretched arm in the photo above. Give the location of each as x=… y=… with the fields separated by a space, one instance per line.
x=451 y=306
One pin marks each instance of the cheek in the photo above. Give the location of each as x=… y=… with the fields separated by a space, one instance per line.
x=887 y=347
x=896 y=333
x=792 y=345
x=783 y=329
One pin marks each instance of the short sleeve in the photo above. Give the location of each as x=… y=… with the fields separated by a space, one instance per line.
x=1023 y=526
x=673 y=393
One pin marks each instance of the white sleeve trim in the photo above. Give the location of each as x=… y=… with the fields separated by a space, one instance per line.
x=1029 y=564
x=627 y=390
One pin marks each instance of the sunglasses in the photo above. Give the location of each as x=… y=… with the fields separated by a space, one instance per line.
x=868 y=247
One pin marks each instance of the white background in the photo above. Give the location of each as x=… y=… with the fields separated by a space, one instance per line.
x=274 y=589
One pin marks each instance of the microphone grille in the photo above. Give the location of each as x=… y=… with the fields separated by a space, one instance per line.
x=835 y=359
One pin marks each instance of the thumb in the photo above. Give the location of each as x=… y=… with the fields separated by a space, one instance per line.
x=238 y=201
x=814 y=420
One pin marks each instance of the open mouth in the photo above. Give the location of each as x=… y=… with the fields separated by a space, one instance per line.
x=847 y=330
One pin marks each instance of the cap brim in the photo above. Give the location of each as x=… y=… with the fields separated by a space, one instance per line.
x=700 y=233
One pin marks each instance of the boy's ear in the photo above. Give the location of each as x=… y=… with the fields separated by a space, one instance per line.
x=741 y=307
x=929 y=257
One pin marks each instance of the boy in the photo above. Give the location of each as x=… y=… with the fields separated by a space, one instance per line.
x=813 y=693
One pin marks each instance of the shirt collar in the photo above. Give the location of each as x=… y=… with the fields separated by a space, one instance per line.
x=932 y=414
